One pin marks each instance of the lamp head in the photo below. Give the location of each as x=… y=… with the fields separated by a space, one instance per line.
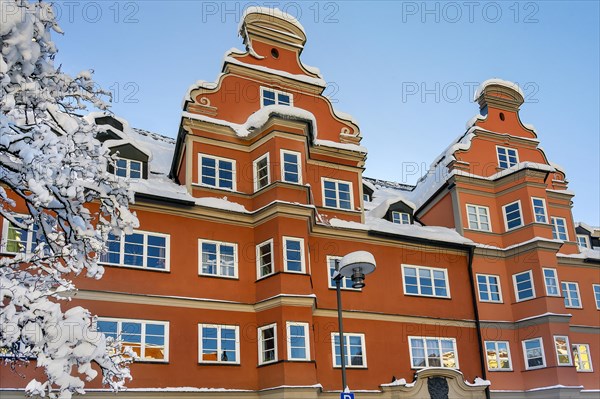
x=356 y=265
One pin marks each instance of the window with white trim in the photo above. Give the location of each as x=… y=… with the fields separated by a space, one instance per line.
x=345 y=283
x=524 y=288
x=563 y=350
x=267 y=344
x=507 y=157
x=581 y=358
x=512 y=215
x=217 y=258
x=217 y=172
x=498 y=356
x=291 y=170
x=218 y=344
x=354 y=350
x=571 y=294
x=400 y=217
x=298 y=344
x=128 y=168
x=533 y=351
x=262 y=174
x=425 y=281
x=293 y=254
x=275 y=97
x=583 y=241
x=479 y=217
x=149 y=340
x=596 y=288
x=539 y=210
x=140 y=249
x=433 y=352
x=16 y=240
x=489 y=288
x=551 y=282
x=337 y=194
x=264 y=259
x=559 y=229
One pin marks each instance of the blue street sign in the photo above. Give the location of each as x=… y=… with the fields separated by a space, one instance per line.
x=346 y=395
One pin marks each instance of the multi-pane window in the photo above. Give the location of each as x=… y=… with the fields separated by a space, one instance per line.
x=262 y=175
x=563 y=350
x=267 y=344
x=478 y=217
x=400 y=217
x=139 y=249
x=148 y=339
x=354 y=349
x=583 y=241
x=337 y=194
x=264 y=259
x=539 y=210
x=524 y=288
x=273 y=97
x=571 y=294
x=433 y=352
x=559 y=229
x=293 y=254
x=218 y=344
x=346 y=282
x=498 y=356
x=17 y=240
x=507 y=157
x=426 y=281
x=290 y=167
x=596 y=288
x=217 y=172
x=512 y=215
x=128 y=168
x=297 y=341
x=533 y=351
x=489 y=288
x=581 y=357
x=551 y=282
x=218 y=258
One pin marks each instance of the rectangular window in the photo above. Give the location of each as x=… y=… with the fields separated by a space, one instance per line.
x=571 y=294
x=596 y=288
x=297 y=340
x=551 y=282
x=583 y=241
x=218 y=258
x=400 y=217
x=128 y=168
x=498 y=356
x=346 y=283
x=489 y=288
x=262 y=174
x=337 y=194
x=524 y=288
x=354 y=349
x=581 y=356
x=533 y=350
x=16 y=240
x=140 y=249
x=275 y=97
x=507 y=157
x=291 y=171
x=559 y=229
x=539 y=210
x=148 y=339
x=433 y=352
x=264 y=259
x=478 y=217
x=293 y=254
x=267 y=344
x=217 y=172
x=218 y=344
x=512 y=215
x=425 y=281
x=563 y=350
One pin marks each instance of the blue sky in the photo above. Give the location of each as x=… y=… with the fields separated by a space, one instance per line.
x=405 y=70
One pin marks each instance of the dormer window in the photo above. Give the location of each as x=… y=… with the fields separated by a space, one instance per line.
x=275 y=97
x=128 y=168
x=507 y=157
x=400 y=217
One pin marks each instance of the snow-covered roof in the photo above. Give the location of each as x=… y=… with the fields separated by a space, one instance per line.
x=500 y=82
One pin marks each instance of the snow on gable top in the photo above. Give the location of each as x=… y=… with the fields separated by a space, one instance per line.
x=500 y=82
x=269 y=13
x=385 y=194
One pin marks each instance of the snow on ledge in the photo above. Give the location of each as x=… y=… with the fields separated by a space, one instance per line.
x=272 y=13
x=300 y=78
x=496 y=81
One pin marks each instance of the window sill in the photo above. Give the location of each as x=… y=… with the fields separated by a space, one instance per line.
x=493 y=302
x=427 y=296
x=352 y=367
x=219 y=364
x=535 y=368
x=500 y=370
x=269 y=363
x=347 y=289
x=219 y=277
x=146 y=269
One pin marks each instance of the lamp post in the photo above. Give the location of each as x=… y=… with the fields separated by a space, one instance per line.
x=354 y=265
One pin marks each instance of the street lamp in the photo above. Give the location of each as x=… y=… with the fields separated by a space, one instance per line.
x=354 y=265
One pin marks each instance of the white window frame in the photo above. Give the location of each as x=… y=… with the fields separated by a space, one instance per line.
x=586 y=240
x=219 y=327
x=489 y=292
x=478 y=214
x=345 y=281
x=276 y=92
x=28 y=243
x=514 y=276
x=596 y=289
x=506 y=149
x=431 y=270
x=306 y=328
x=399 y=217
x=217 y=159
x=299 y=165
x=439 y=341
x=120 y=322
x=128 y=168
x=261 y=351
x=541 y=340
x=553 y=221
x=504 y=215
x=257 y=185
x=578 y=363
x=302 y=270
x=567 y=296
x=557 y=285
x=495 y=343
x=258 y=265
x=121 y=263
x=337 y=190
x=218 y=266
x=543 y=207
x=569 y=349
x=363 y=347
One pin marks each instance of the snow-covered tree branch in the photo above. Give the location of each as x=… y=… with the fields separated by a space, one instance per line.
x=60 y=205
